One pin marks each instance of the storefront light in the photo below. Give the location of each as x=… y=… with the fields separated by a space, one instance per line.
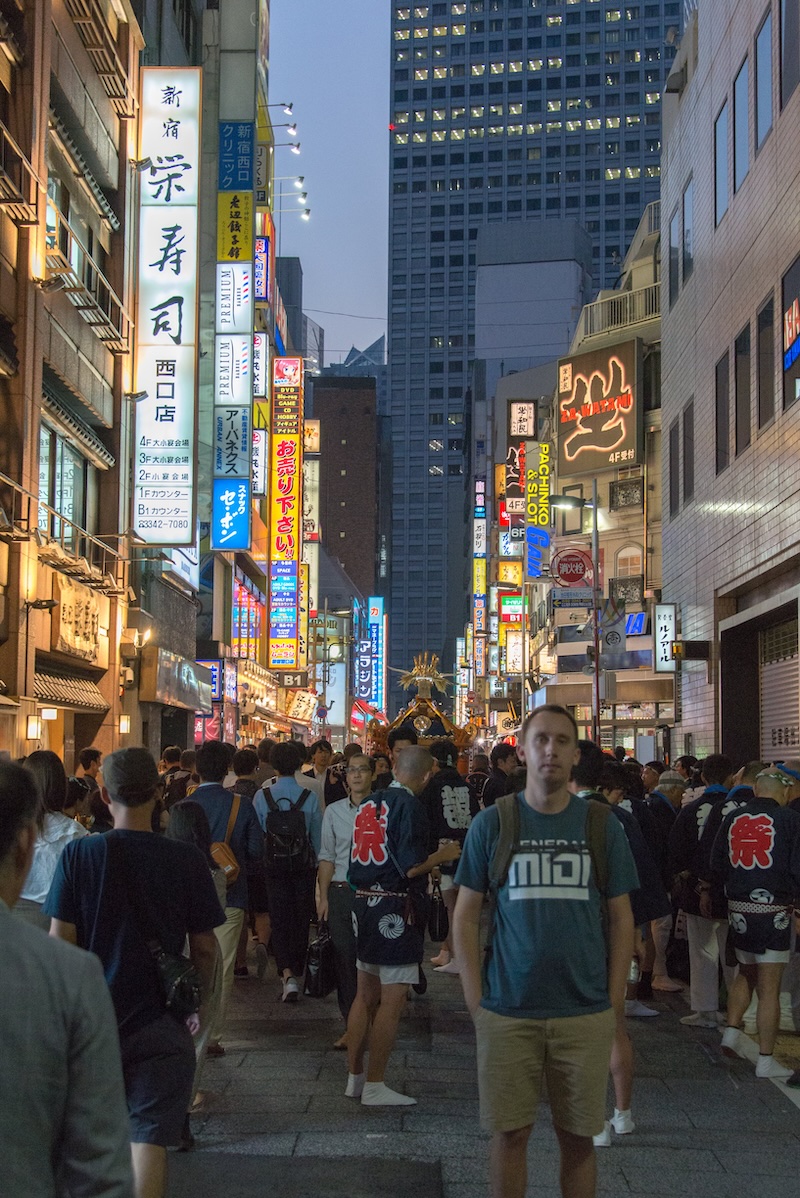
x=124 y=724
x=33 y=729
x=48 y=713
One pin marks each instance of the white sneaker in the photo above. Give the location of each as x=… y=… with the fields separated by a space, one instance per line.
x=701 y=1019
x=750 y=1027
x=731 y=1043
x=291 y=990
x=379 y=1094
x=355 y=1085
x=450 y=967
x=604 y=1139
x=787 y=1023
x=667 y=985
x=637 y=1010
x=768 y=1067
x=622 y=1122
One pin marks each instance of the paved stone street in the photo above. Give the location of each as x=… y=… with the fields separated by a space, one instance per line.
x=275 y=1117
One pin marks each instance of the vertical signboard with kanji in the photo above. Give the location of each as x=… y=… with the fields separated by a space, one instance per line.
x=166 y=314
x=286 y=515
x=664 y=635
x=377 y=639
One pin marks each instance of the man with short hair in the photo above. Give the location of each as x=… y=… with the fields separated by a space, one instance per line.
x=246 y=843
x=664 y=802
x=402 y=737
x=264 y=772
x=756 y=856
x=115 y=895
x=58 y=1041
x=555 y=985
x=89 y=765
x=690 y=863
x=321 y=755
x=335 y=902
x=175 y=777
x=388 y=865
x=503 y=759
x=650 y=775
x=477 y=779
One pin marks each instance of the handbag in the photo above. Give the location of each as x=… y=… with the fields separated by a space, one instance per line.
x=438 y=920
x=179 y=980
x=221 y=851
x=320 y=979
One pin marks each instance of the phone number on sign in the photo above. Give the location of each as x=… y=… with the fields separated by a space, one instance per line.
x=159 y=524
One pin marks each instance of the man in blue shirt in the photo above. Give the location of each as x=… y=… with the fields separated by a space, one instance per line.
x=246 y=843
x=114 y=895
x=290 y=894
x=554 y=988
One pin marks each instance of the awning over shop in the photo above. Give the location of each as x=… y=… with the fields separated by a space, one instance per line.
x=63 y=690
x=4 y=702
x=365 y=711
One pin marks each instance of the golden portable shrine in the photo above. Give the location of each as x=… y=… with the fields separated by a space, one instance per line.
x=428 y=721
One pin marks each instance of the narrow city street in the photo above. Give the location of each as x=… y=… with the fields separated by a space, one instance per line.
x=275 y=1119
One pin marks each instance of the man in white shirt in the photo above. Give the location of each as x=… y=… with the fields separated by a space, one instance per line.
x=335 y=904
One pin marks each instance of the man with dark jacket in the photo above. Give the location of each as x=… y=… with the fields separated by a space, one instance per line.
x=448 y=806
x=502 y=759
x=246 y=842
x=113 y=895
x=477 y=778
x=689 y=854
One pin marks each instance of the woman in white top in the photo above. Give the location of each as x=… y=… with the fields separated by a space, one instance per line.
x=55 y=829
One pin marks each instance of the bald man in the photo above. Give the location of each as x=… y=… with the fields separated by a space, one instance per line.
x=388 y=863
x=756 y=856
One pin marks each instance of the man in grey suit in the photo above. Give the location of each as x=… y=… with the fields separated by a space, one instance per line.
x=63 y=1116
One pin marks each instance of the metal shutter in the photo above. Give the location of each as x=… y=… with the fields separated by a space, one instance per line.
x=779 y=691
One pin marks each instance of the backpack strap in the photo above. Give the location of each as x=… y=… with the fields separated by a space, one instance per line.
x=597 y=818
x=267 y=792
x=232 y=818
x=300 y=800
x=507 y=840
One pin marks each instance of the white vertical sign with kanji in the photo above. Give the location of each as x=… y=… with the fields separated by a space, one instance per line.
x=166 y=311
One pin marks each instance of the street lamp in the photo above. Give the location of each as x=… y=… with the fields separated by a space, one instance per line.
x=574 y=501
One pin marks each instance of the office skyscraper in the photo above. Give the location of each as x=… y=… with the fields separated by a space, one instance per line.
x=502 y=110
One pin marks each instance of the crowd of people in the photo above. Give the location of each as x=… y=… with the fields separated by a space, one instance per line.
x=579 y=884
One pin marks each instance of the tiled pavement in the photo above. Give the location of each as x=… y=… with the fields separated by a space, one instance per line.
x=276 y=1119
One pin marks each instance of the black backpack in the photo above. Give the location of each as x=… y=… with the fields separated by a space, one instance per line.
x=287 y=848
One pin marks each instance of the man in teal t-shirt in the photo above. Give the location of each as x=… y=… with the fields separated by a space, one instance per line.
x=552 y=995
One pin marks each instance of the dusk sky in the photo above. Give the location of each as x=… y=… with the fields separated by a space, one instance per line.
x=331 y=58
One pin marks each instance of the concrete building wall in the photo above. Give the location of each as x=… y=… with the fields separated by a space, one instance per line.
x=736 y=541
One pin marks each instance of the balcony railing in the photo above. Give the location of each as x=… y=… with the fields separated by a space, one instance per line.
x=91 y=24
x=71 y=266
x=620 y=310
x=20 y=187
x=60 y=543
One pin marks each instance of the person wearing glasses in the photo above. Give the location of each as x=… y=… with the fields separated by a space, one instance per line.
x=335 y=903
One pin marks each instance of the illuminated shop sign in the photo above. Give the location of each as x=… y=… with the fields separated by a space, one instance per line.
x=166 y=315
x=791 y=334
x=664 y=634
x=538 y=465
x=377 y=636
x=260 y=365
x=599 y=411
x=521 y=419
x=236 y=156
x=286 y=530
x=234 y=298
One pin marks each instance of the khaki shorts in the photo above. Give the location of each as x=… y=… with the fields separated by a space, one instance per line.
x=572 y=1054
